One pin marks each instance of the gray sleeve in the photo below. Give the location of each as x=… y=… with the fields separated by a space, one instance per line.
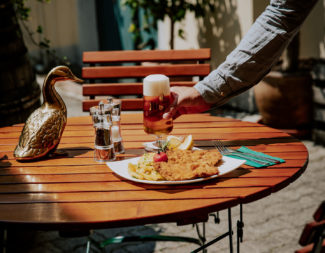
x=257 y=52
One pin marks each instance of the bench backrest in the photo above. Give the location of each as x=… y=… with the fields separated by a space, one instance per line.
x=313 y=234
x=108 y=72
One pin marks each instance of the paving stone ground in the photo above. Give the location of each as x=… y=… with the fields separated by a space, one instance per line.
x=272 y=224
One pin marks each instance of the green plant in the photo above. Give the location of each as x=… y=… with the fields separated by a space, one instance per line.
x=155 y=10
x=43 y=43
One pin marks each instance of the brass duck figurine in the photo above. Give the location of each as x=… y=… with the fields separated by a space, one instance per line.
x=44 y=127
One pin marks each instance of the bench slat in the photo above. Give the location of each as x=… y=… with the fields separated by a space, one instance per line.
x=129 y=104
x=98 y=89
x=146 y=55
x=320 y=212
x=310 y=231
x=142 y=71
x=309 y=248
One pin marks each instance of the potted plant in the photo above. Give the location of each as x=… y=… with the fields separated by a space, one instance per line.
x=20 y=93
x=284 y=96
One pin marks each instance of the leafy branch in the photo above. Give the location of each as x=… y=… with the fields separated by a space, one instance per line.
x=158 y=10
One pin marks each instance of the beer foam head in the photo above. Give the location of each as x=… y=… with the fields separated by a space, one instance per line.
x=156 y=85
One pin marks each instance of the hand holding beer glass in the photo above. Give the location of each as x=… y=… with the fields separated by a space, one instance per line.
x=156 y=101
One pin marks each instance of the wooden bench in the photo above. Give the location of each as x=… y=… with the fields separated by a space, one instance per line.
x=105 y=69
x=313 y=234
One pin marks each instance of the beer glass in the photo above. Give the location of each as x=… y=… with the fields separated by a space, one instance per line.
x=156 y=100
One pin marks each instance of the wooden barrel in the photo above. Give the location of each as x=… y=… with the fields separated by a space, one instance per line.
x=19 y=91
x=318 y=75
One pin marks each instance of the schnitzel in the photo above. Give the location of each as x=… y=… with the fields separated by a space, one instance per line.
x=189 y=164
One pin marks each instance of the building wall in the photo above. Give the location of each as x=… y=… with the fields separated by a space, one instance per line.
x=70 y=27
x=313 y=33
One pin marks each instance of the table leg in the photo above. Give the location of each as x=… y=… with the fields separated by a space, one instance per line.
x=3 y=240
x=201 y=236
x=240 y=225
x=230 y=231
x=88 y=247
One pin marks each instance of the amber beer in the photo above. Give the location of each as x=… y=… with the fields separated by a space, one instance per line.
x=156 y=100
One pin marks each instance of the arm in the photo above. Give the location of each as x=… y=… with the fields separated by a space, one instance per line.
x=250 y=61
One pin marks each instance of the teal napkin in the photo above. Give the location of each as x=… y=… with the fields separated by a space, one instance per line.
x=252 y=163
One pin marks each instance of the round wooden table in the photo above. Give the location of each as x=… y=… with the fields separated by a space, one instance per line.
x=75 y=192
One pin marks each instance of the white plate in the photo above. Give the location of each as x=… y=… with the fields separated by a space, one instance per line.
x=121 y=169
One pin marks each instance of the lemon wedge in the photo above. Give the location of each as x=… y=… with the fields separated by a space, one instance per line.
x=173 y=141
x=187 y=144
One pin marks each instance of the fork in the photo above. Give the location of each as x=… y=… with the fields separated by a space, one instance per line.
x=226 y=151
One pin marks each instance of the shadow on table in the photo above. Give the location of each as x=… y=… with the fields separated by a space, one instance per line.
x=5 y=164
x=75 y=151
x=28 y=241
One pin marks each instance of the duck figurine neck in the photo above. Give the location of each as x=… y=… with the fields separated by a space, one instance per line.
x=44 y=127
x=50 y=95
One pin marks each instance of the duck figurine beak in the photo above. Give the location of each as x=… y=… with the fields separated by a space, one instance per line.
x=68 y=75
x=44 y=127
